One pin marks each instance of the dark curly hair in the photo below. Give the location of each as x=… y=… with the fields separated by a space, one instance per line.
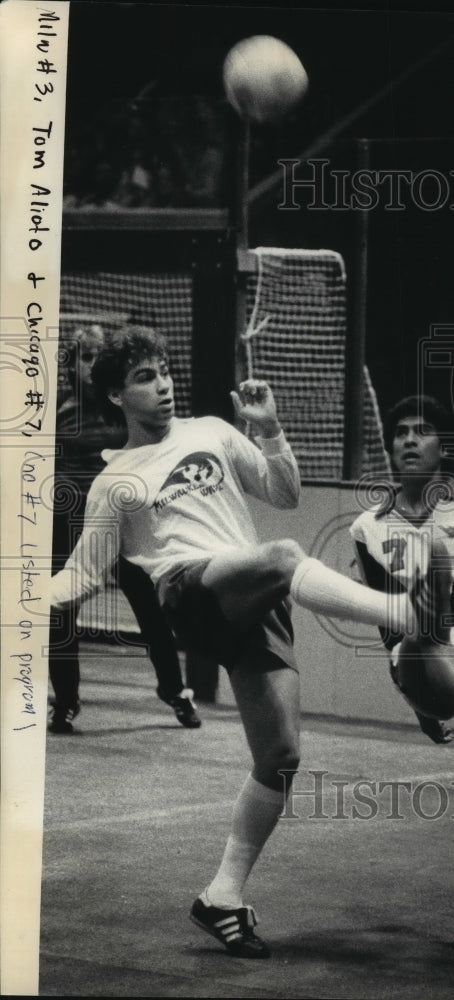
x=124 y=349
x=426 y=407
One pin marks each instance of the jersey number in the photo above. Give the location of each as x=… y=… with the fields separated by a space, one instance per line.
x=397 y=546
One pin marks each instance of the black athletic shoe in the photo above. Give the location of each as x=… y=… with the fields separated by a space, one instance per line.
x=185 y=709
x=234 y=928
x=62 y=718
x=434 y=729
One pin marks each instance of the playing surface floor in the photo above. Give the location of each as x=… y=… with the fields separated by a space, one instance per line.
x=137 y=810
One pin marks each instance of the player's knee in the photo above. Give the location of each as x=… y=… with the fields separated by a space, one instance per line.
x=283 y=757
x=288 y=766
x=291 y=759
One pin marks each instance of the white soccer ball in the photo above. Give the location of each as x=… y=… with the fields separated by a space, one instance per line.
x=264 y=79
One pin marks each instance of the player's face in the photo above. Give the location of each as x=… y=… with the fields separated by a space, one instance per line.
x=416 y=447
x=147 y=395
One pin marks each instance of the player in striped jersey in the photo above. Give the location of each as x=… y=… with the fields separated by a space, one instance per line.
x=392 y=540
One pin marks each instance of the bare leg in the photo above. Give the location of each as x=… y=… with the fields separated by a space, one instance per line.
x=248 y=583
x=251 y=581
x=269 y=705
x=270 y=711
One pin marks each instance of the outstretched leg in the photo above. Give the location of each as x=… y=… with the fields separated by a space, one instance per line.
x=248 y=583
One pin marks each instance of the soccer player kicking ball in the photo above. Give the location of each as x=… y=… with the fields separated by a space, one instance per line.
x=173 y=501
x=390 y=538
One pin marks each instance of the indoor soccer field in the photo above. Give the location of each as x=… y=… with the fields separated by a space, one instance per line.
x=136 y=809
x=281 y=218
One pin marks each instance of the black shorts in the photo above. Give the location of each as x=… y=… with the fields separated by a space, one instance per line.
x=201 y=627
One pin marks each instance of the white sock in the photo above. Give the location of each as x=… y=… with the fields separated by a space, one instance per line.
x=186 y=693
x=255 y=815
x=320 y=588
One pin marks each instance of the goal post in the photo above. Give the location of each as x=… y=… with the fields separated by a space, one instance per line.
x=301 y=324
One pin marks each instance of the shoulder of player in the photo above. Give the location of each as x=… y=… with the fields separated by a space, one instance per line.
x=217 y=423
x=121 y=488
x=366 y=520
x=210 y=425
x=443 y=512
x=119 y=462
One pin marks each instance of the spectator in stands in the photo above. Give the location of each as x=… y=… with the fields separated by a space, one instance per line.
x=167 y=152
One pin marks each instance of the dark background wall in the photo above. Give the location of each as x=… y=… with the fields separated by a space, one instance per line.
x=171 y=55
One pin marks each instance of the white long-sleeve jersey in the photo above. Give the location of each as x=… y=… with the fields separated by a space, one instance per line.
x=168 y=504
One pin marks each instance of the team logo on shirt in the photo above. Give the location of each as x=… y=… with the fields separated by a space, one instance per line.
x=199 y=471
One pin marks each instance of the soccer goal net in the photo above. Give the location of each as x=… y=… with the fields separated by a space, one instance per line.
x=163 y=301
x=295 y=339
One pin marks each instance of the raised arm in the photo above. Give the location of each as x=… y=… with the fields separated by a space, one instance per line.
x=268 y=472
x=255 y=403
